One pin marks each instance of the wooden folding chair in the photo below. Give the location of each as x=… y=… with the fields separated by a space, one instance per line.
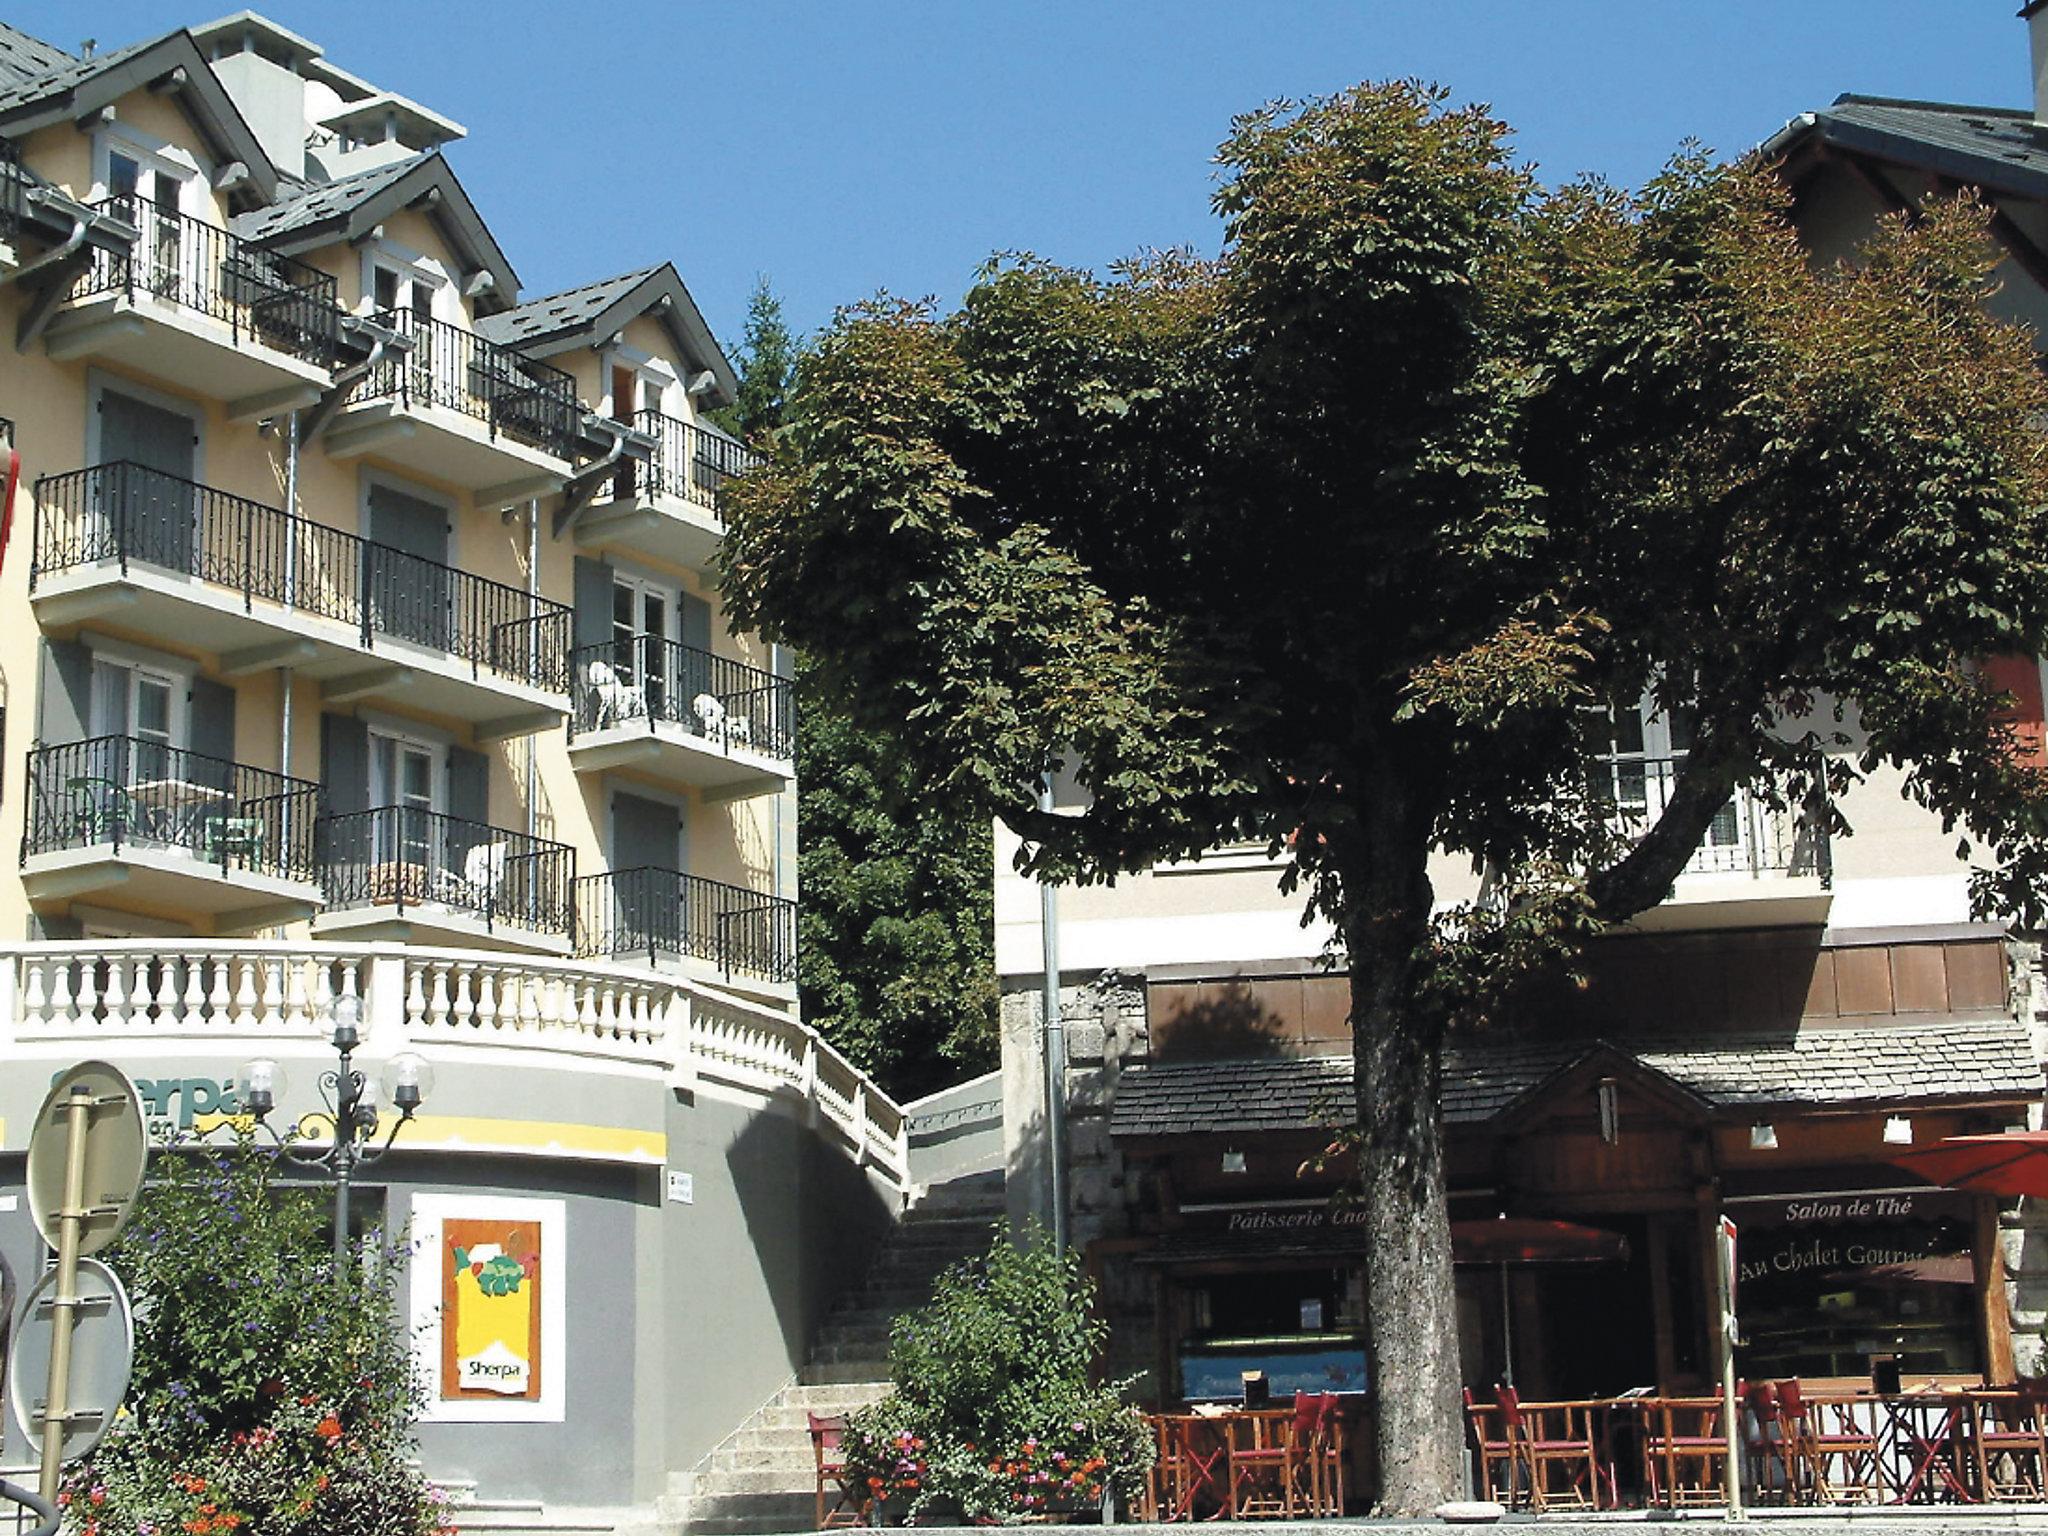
x=1837 y=1456
x=1685 y=1452
x=2011 y=1449
x=1496 y=1453
x=828 y=1454
x=1284 y=1450
x=1335 y=1453
x=1554 y=1437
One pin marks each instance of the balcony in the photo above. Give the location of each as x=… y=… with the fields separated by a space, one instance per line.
x=448 y=404
x=667 y=507
x=260 y=588
x=682 y=715
x=1759 y=865
x=399 y=872
x=191 y=303
x=667 y=918
x=13 y=195
x=172 y=829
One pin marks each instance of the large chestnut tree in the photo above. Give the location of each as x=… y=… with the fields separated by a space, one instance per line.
x=1343 y=539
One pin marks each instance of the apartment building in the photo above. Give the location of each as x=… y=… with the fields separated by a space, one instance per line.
x=363 y=642
x=1794 y=1014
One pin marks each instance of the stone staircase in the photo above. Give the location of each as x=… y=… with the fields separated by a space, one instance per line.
x=761 y=1478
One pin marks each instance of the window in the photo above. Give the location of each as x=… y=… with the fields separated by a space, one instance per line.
x=405 y=783
x=154 y=191
x=1644 y=752
x=643 y=624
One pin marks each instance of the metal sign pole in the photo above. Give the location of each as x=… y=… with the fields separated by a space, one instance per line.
x=1724 y=1285
x=56 y=1405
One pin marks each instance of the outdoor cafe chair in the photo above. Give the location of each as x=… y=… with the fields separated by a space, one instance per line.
x=1495 y=1451
x=1773 y=1463
x=1550 y=1438
x=1334 y=1453
x=828 y=1455
x=1280 y=1471
x=1834 y=1457
x=1685 y=1451
x=2008 y=1438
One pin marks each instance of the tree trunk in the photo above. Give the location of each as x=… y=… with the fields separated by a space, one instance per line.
x=1396 y=1040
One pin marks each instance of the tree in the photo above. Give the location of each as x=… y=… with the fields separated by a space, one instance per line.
x=767 y=365
x=1342 y=539
x=895 y=961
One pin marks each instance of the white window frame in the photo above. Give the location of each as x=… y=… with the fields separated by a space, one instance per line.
x=646 y=368
x=413 y=268
x=435 y=752
x=158 y=156
x=175 y=680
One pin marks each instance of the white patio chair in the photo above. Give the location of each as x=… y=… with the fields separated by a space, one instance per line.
x=616 y=701
x=710 y=715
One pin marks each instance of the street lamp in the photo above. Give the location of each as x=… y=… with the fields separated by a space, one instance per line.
x=351 y=1113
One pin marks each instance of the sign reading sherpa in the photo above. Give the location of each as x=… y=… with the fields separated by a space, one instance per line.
x=490 y=1299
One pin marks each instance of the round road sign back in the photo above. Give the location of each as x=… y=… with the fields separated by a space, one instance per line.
x=102 y=1352
x=116 y=1151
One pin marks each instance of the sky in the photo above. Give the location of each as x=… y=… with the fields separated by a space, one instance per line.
x=841 y=147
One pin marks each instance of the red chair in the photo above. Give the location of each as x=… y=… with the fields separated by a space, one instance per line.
x=1494 y=1451
x=1835 y=1462
x=1685 y=1451
x=1334 y=1456
x=1553 y=1437
x=1294 y=1463
x=828 y=1453
x=2011 y=1446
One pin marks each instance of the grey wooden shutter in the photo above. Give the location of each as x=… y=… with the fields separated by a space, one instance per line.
x=645 y=832
x=593 y=621
x=469 y=785
x=213 y=718
x=110 y=683
x=345 y=763
x=64 y=697
x=696 y=622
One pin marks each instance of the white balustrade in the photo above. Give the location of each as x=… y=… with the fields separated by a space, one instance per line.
x=450 y=1000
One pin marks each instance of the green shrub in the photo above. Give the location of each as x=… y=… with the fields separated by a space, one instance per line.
x=266 y=1397
x=993 y=1394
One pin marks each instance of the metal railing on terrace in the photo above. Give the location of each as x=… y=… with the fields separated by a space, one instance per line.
x=1748 y=836
x=646 y=682
x=135 y=515
x=658 y=912
x=530 y=402
x=404 y=856
x=132 y=792
x=688 y=462
x=261 y=295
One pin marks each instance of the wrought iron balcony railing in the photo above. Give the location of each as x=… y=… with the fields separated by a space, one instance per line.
x=647 y=682
x=530 y=402
x=261 y=295
x=132 y=792
x=658 y=912
x=403 y=856
x=13 y=189
x=130 y=513
x=1748 y=836
x=688 y=462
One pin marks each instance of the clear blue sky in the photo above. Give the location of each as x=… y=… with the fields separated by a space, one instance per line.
x=841 y=146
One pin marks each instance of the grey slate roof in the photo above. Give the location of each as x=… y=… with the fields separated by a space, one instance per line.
x=313 y=204
x=23 y=57
x=1998 y=147
x=560 y=311
x=1938 y=1059
x=66 y=73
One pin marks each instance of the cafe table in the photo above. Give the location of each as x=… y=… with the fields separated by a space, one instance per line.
x=1193 y=1477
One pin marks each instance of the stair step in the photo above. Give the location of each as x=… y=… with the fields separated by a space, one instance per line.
x=756 y=1481
x=793 y=1508
x=833 y=1397
x=830 y=1373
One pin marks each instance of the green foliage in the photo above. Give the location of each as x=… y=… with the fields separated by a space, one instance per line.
x=263 y=1394
x=895 y=932
x=993 y=1408
x=767 y=368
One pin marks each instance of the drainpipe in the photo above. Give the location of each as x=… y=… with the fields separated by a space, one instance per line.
x=532 y=591
x=291 y=554
x=81 y=226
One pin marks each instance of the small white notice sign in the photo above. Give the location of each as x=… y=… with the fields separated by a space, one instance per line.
x=681 y=1188
x=9 y=1204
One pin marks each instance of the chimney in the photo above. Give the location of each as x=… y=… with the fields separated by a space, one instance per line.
x=2035 y=14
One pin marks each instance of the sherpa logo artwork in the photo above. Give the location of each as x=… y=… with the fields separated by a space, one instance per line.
x=490 y=1327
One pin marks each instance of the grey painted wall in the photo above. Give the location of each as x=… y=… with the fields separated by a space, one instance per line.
x=957 y=1131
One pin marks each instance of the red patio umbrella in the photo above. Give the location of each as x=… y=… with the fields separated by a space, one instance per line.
x=2002 y=1163
x=1516 y=1240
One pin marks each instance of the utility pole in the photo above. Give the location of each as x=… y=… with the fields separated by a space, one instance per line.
x=1054 y=1041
